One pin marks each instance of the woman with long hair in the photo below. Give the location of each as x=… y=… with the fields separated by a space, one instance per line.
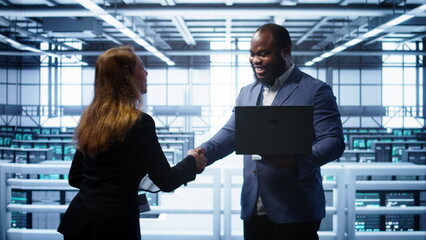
x=116 y=147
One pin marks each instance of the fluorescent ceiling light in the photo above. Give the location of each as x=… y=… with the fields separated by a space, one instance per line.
x=279 y=20
x=353 y=42
x=373 y=32
x=289 y=2
x=143 y=43
x=128 y=33
x=310 y=63
x=180 y=24
x=326 y=55
x=93 y=7
x=31 y=49
x=317 y=59
x=23 y=47
x=398 y=20
x=338 y=49
x=108 y=18
x=111 y=20
x=152 y=49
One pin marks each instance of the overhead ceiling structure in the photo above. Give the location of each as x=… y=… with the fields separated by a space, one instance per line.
x=179 y=32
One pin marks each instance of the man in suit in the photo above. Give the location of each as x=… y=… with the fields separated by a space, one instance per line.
x=282 y=196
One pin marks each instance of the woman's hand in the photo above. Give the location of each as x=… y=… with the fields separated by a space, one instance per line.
x=200 y=158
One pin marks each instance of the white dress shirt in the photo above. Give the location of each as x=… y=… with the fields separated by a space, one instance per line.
x=269 y=94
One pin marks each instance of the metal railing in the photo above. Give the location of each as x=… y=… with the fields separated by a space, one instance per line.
x=344 y=186
x=352 y=170
x=6 y=207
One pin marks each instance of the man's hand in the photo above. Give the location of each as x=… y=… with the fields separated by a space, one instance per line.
x=200 y=158
x=200 y=150
x=281 y=161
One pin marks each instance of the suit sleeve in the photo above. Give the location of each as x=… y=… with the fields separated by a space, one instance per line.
x=328 y=143
x=165 y=177
x=75 y=176
x=222 y=143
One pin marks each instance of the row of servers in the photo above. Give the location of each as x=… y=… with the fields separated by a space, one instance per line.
x=175 y=144
x=393 y=146
x=390 y=222
x=38 y=145
x=37 y=197
x=383 y=145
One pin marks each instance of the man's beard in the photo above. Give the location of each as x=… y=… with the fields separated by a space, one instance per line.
x=268 y=79
x=275 y=70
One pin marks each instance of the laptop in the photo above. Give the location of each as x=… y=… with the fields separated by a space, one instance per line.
x=274 y=130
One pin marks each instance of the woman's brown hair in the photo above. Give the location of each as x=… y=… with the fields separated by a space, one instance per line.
x=116 y=103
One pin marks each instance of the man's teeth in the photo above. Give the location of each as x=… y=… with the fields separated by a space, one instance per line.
x=259 y=69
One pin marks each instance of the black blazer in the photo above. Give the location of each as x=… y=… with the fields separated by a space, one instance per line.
x=106 y=206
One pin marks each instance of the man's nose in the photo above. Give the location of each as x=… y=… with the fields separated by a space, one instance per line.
x=256 y=60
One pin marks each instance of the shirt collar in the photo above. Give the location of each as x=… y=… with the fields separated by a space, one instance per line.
x=281 y=79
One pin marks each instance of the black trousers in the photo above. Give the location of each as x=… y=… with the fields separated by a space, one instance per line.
x=262 y=228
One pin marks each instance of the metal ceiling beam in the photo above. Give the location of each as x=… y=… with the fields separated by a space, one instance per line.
x=124 y=29
x=228 y=31
x=342 y=32
x=183 y=29
x=31 y=34
x=218 y=11
x=279 y=20
x=38 y=51
x=180 y=24
x=374 y=30
x=222 y=52
x=145 y=30
x=312 y=30
x=5 y=2
x=111 y=38
x=416 y=38
x=51 y=3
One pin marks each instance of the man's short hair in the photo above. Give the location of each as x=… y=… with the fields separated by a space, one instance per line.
x=280 y=33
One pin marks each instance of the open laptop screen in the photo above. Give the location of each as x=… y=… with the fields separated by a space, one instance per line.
x=275 y=130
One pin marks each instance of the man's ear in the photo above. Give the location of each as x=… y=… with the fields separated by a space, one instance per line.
x=285 y=52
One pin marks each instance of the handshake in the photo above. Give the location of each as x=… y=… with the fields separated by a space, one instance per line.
x=200 y=158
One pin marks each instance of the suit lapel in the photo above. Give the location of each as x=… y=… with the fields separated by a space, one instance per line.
x=288 y=87
x=256 y=91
